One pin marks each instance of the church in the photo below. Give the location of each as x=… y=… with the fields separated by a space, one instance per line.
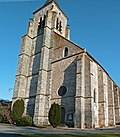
x=51 y=69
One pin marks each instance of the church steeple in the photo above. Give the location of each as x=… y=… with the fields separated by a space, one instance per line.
x=51 y=15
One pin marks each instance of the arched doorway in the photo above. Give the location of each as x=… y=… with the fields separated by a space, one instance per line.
x=62 y=115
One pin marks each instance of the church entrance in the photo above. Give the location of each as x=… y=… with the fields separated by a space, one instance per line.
x=62 y=115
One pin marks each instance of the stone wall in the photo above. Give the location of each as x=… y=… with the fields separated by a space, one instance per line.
x=100 y=106
x=64 y=74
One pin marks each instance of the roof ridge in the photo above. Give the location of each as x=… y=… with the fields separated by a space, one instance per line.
x=49 y=1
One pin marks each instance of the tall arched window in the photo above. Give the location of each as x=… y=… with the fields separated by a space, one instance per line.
x=59 y=25
x=66 y=52
x=44 y=20
x=39 y=26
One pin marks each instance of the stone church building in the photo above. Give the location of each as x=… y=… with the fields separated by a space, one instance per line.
x=51 y=69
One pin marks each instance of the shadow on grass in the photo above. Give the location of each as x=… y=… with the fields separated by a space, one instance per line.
x=85 y=135
x=7 y=135
x=51 y=135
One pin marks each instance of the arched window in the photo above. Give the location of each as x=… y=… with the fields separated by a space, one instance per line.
x=94 y=96
x=59 y=25
x=44 y=20
x=40 y=25
x=66 y=52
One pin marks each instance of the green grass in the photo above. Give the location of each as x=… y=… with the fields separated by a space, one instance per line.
x=5 y=124
x=85 y=135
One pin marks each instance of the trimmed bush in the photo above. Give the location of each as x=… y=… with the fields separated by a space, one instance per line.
x=1 y=118
x=24 y=121
x=55 y=115
x=17 y=110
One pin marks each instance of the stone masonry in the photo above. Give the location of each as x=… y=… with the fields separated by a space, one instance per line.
x=51 y=69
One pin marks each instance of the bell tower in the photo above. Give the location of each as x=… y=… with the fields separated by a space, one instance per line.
x=48 y=19
x=55 y=18
x=33 y=78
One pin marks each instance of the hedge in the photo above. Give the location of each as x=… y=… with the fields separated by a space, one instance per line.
x=24 y=121
x=55 y=115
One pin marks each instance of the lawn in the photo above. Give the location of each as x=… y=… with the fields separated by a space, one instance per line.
x=85 y=135
x=5 y=124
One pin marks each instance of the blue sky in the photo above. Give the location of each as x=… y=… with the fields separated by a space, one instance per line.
x=95 y=25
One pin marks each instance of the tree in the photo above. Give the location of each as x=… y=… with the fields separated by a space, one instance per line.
x=17 y=109
x=5 y=111
x=55 y=115
x=1 y=118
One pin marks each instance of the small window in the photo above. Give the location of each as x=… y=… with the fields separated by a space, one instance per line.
x=40 y=25
x=57 y=23
x=66 y=52
x=62 y=91
x=94 y=96
x=60 y=27
x=44 y=20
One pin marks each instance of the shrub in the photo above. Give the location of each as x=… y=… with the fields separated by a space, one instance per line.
x=1 y=118
x=5 y=111
x=24 y=121
x=17 y=110
x=55 y=115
